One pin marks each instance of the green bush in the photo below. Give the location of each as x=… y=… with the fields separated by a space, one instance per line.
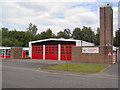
x=27 y=58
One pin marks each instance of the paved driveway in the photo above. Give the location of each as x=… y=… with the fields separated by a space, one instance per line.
x=112 y=70
x=26 y=64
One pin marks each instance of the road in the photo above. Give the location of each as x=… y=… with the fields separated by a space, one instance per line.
x=19 y=74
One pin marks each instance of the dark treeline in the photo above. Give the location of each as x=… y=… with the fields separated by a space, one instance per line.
x=13 y=38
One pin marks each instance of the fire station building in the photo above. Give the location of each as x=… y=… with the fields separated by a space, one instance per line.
x=54 y=49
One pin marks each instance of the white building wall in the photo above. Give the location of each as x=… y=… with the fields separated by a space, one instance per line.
x=84 y=43
x=87 y=44
x=43 y=52
x=77 y=43
x=59 y=52
x=30 y=50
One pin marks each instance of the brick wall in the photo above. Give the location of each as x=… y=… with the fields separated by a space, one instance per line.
x=97 y=58
x=16 y=53
x=106 y=26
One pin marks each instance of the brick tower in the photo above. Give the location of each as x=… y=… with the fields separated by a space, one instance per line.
x=106 y=26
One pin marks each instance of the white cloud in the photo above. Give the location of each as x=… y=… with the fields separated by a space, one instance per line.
x=45 y=15
x=48 y=0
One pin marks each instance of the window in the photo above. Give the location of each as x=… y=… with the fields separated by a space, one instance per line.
x=62 y=52
x=62 y=49
x=46 y=49
x=38 y=49
x=26 y=52
x=56 y=52
x=8 y=52
x=49 y=52
x=41 y=47
x=42 y=52
x=69 y=52
x=49 y=49
x=70 y=47
x=53 y=52
x=35 y=52
x=66 y=52
x=38 y=52
x=46 y=52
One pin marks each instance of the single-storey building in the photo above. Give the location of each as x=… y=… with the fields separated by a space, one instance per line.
x=14 y=52
x=54 y=49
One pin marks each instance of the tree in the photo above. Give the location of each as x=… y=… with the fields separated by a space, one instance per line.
x=117 y=39
x=77 y=34
x=65 y=34
x=88 y=34
x=16 y=38
x=45 y=35
x=85 y=34
x=7 y=42
x=97 y=37
x=32 y=29
x=5 y=32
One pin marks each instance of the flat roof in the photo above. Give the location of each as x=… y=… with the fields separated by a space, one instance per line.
x=55 y=39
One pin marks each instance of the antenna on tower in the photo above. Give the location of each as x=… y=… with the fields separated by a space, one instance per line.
x=102 y=4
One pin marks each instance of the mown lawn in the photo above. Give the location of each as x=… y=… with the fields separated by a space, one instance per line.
x=84 y=68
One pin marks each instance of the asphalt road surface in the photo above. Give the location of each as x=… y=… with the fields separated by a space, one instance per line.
x=17 y=74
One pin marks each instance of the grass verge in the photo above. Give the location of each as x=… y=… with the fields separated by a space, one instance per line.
x=83 y=68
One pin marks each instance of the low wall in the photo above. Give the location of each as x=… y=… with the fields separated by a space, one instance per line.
x=98 y=58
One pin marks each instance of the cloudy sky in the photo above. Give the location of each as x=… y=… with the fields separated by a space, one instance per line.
x=54 y=15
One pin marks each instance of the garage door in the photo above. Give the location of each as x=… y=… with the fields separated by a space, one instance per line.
x=67 y=49
x=51 y=52
x=37 y=52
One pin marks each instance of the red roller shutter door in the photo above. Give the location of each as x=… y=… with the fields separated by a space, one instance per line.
x=51 y=52
x=37 y=52
x=68 y=52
